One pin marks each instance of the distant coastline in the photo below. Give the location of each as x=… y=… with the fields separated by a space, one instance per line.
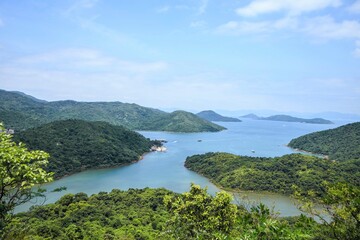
x=288 y=118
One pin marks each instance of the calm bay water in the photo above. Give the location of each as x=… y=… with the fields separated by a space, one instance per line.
x=166 y=169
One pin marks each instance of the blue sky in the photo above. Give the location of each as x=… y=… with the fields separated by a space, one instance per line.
x=284 y=55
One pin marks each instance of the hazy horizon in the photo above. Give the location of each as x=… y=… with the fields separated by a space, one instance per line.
x=265 y=55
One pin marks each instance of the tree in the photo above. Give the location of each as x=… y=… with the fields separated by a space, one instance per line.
x=196 y=214
x=20 y=171
x=339 y=212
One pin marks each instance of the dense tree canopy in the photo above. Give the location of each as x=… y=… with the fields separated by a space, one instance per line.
x=132 y=214
x=154 y=214
x=273 y=174
x=196 y=214
x=76 y=145
x=342 y=143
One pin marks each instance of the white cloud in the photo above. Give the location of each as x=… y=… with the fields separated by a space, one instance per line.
x=355 y=7
x=257 y=27
x=322 y=27
x=244 y=27
x=102 y=78
x=292 y=7
x=85 y=60
x=82 y=74
x=326 y=27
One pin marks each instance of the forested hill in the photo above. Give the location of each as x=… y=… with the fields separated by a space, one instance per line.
x=215 y=117
x=76 y=145
x=273 y=174
x=185 y=121
x=21 y=111
x=340 y=144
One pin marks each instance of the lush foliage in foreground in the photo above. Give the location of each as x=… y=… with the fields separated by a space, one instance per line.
x=20 y=171
x=75 y=145
x=153 y=214
x=340 y=144
x=273 y=174
x=161 y=214
x=132 y=214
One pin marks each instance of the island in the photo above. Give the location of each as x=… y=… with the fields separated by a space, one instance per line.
x=251 y=116
x=287 y=118
x=212 y=116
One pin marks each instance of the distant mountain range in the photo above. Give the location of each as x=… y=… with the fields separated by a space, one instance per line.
x=215 y=117
x=21 y=111
x=287 y=118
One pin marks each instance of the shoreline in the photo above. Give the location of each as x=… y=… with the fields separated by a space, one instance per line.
x=141 y=157
x=237 y=190
x=320 y=155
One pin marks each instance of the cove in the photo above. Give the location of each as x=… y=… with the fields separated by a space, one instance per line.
x=166 y=169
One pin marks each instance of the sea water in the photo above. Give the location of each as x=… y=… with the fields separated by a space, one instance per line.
x=257 y=138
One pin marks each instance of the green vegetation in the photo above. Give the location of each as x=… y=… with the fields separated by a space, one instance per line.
x=132 y=214
x=20 y=111
x=76 y=145
x=20 y=171
x=153 y=214
x=197 y=214
x=286 y=118
x=273 y=174
x=181 y=121
x=161 y=214
x=341 y=203
x=339 y=144
x=213 y=116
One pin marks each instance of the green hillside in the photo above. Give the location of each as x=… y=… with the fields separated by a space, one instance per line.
x=185 y=121
x=34 y=112
x=273 y=174
x=76 y=145
x=340 y=144
x=213 y=116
